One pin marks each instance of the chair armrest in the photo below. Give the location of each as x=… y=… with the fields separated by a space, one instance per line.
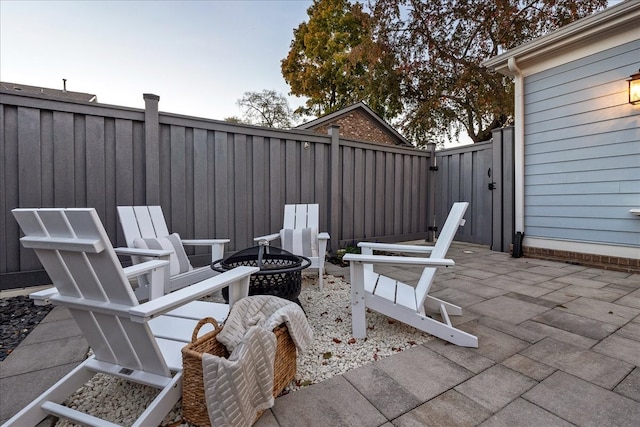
x=156 y=253
x=205 y=242
x=395 y=247
x=398 y=260
x=43 y=297
x=144 y=268
x=323 y=236
x=268 y=237
x=144 y=312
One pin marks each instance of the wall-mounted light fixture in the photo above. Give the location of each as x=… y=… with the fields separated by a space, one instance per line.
x=306 y=144
x=634 y=88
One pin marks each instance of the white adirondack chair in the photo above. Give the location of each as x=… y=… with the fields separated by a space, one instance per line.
x=401 y=301
x=138 y=342
x=300 y=236
x=147 y=222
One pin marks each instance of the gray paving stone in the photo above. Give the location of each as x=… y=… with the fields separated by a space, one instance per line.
x=553 y=285
x=382 y=391
x=267 y=420
x=508 y=309
x=58 y=313
x=559 y=298
x=631 y=330
x=548 y=270
x=450 y=409
x=601 y=310
x=621 y=348
x=525 y=276
x=497 y=268
x=334 y=402
x=529 y=367
x=15 y=390
x=532 y=300
x=572 y=291
x=523 y=413
x=586 y=364
x=50 y=331
x=29 y=358
x=632 y=281
x=583 y=403
x=629 y=301
x=422 y=372
x=493 y=344
x=478 y=274
x=511 y=284
x=468 y=358
x=516 y=331
x=559 y=334
x=560 y=318
x=474 y=288
x=496 y=387
x=630 y=386
x=457 y=297
x=581 y=281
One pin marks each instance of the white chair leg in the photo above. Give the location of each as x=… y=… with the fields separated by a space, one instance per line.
x=358 y=308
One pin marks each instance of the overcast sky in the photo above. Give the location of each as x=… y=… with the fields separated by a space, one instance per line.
x=198 y=56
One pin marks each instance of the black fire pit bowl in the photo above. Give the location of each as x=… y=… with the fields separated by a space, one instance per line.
x=280 y=271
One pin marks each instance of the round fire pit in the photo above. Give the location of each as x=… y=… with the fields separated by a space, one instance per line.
x=280 y=271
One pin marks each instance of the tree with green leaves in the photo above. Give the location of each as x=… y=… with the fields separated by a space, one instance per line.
x=267 y=108
x=439 y=46
x=333 y=62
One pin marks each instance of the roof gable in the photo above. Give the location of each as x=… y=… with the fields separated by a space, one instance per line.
x=364 y=110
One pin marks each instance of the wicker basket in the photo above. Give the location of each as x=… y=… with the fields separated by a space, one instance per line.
x=194 y=407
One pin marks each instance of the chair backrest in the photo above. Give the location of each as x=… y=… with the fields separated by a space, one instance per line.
x=301 y=216
x=74 y=248
x=454 y=220
x=142 y=221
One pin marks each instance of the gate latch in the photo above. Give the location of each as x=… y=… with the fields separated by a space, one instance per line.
x=492 y=186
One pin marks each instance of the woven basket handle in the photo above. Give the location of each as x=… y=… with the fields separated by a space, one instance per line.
x=200 y=324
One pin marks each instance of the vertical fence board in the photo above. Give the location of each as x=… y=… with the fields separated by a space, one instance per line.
x=259 y=180
x=200 y=188
x=46 y=153
x=11 y=195
x=63 y=159
x=369 y=194
x=5 y=216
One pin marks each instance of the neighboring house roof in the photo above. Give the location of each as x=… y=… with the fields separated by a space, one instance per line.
x=49 y=93
x=593 y=33
x=353 y=128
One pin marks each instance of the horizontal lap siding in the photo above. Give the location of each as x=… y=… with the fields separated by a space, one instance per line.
x=582 y=150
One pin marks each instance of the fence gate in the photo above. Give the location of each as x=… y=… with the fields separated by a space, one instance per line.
x=481 y=174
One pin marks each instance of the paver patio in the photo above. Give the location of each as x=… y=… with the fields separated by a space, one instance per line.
x=559 y=344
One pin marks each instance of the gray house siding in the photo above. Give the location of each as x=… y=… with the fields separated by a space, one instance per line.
x=581 y=156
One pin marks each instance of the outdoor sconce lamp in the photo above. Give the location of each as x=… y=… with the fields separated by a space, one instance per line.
x=634 y=88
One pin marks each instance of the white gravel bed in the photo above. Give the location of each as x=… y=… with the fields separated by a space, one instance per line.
x=333 y=352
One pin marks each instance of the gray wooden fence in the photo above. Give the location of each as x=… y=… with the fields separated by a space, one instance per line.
x=212 y=178
x=481 y=174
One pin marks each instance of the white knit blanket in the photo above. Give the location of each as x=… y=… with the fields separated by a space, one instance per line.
x=267 y=312
x=238 y=387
